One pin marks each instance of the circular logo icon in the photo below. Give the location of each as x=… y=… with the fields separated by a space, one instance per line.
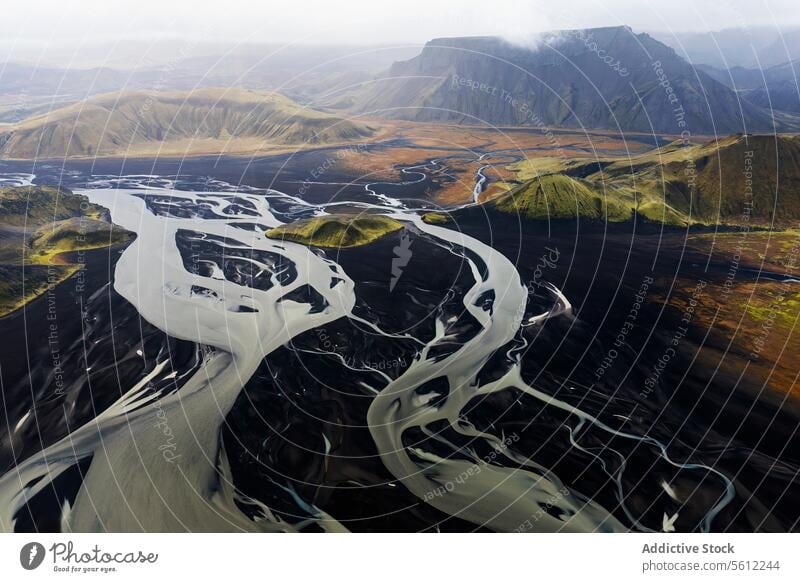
x=31 y=555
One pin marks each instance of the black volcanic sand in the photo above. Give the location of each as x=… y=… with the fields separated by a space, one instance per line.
x=275 y=430
x=298 y=405
x=317 y=175
x=698 y=407
x=73 y=354
x=701 y=416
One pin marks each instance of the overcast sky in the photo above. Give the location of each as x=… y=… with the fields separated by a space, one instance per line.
x=365 y=22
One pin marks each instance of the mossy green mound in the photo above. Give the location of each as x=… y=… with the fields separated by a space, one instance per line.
x=556 y=196
x=74 y=234
x=37 y=223
x=338 y=231
x=436 y=218
x=753 y=179
x=34 y=206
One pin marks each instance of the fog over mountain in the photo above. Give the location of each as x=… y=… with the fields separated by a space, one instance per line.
x=45 y=28
x=608 y=78
x=750 y=47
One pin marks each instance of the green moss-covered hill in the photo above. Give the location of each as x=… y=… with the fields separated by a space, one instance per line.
x=34 y=206
x=337 y=231
x=37 y=224
x=557 y=196
x=733 y=180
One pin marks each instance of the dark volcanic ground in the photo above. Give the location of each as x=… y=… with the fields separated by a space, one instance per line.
x=696 y=404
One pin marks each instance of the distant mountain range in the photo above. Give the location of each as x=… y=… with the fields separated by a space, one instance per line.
x=175 y=123
x=604 y=78
x=761 y=64
x=774 y=88
x=607 y=78
x=298 y=71
x=750 y=47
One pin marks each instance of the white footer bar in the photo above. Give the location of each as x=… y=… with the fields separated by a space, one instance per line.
x=401 y=557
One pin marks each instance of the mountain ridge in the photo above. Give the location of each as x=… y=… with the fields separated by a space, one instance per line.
x=152 y=122
x=604 y=78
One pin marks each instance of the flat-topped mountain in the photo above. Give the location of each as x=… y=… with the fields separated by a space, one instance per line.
x=153 y=123
x=597 y=78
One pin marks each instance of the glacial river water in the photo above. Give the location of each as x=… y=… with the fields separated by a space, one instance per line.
x=258 y=295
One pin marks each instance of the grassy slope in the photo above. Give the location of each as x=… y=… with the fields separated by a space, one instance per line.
x=35 y=206
x=19 y=285
x=658 y=184
x=37 y=224
x=337 y=231
x=436 y=218
x=200 y=121
x=74 y=234
x=558 y=196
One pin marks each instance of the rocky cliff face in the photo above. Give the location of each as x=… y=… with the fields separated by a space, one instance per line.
x=597 y=78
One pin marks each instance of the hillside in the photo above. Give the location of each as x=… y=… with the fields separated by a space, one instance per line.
x=37 y=224
x=36 y=206
x=731 y=173
x=336 y=231
x=740 y=179
x=152 y=123
x=598 y=78
x=557 y=196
